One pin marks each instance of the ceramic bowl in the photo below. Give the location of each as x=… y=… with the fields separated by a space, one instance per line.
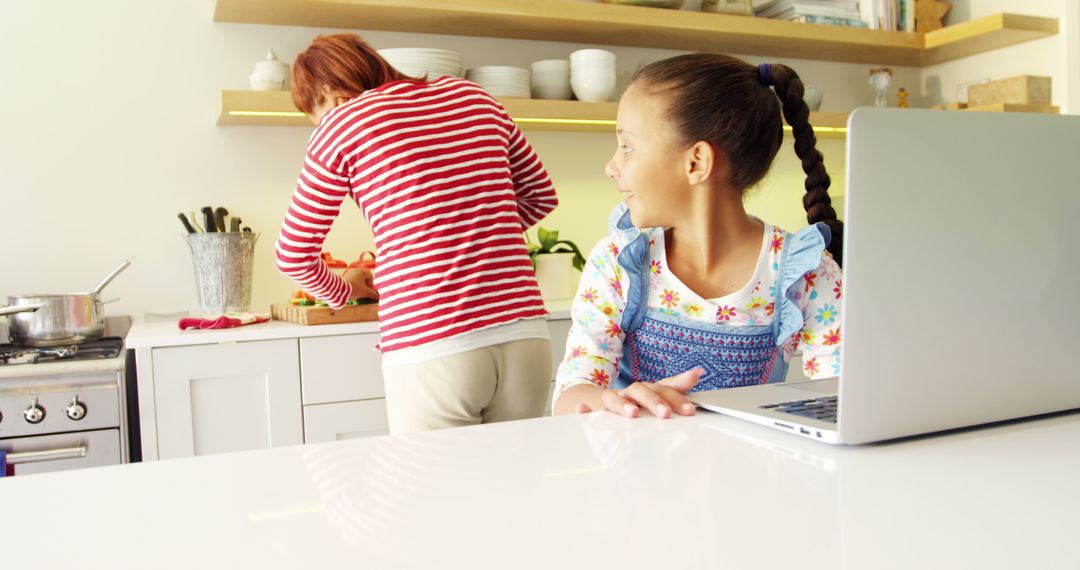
x=673 y=4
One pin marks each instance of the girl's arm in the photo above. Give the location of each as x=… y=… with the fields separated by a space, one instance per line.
x=821 y=336
x=595 y=344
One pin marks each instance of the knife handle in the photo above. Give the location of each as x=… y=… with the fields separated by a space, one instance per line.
x=234 y=224
x=219 y=218
x=187 y=224
x=208 y=219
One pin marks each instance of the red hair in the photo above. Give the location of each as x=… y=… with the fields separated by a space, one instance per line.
x=343 y=62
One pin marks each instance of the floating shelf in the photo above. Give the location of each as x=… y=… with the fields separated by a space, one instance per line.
x=1011 y=108
x=275 y=109
x=595 y=23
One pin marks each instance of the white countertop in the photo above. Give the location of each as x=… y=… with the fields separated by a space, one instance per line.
x=146 y=333
x=590 y=491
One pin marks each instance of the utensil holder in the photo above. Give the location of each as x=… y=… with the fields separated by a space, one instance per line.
x=223 y=264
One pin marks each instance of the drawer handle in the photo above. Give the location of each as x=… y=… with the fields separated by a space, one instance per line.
x=48 y=455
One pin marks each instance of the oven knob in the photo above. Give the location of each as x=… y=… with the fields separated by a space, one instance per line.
x=35 y=413
x=77 y=409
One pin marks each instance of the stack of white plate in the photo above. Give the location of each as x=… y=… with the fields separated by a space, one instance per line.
x=501 y=81
x=418 y=62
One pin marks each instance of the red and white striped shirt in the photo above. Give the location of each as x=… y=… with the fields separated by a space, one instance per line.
x=448 y=184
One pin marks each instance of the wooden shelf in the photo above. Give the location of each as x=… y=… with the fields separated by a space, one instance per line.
x=596 y=23
x=1011 y=108
x=275 y=109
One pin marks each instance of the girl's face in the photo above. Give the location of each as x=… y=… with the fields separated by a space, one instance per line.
x=647 y=165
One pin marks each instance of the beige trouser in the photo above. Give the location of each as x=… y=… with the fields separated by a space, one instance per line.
x=508 y=381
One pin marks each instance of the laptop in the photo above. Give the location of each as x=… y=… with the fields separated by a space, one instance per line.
x=961 y=277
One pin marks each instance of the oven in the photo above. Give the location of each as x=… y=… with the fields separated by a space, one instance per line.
x=62 y=410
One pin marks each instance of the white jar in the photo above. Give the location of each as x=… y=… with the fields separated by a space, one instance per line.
x=270 y=74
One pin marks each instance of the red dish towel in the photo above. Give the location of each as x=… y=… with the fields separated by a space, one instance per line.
x=223 y=322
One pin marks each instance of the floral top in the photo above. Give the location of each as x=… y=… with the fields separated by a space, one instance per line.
x=595 y=341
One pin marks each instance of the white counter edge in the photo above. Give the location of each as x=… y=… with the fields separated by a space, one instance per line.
x=163 y=333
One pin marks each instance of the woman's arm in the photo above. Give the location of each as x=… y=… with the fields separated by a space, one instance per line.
x=532 y=185
x=315 y=204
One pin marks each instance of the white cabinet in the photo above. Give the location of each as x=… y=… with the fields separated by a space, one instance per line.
x=344 y=420
x=340 y=368
x=227 y=397
x=234 y=395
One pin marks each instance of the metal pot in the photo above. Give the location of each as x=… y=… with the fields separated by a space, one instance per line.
x=52 y=320
x=60 y=319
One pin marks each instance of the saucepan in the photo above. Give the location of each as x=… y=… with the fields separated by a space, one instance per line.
x=53 y=320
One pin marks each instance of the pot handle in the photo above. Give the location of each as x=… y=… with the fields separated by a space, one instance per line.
x=110 y=301
x=5 y=310
x=110 y=277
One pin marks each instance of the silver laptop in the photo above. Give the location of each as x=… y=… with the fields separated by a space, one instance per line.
x=961 y=276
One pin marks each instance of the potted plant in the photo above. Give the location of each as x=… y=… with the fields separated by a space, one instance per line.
x=554 y=261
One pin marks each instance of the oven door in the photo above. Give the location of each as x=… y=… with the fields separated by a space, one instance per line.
x=58 y=452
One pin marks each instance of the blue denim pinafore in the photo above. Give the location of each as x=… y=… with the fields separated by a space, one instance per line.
x=659 y=345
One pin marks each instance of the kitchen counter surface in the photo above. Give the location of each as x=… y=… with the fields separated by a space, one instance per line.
x=589 y=491
x=161 y=332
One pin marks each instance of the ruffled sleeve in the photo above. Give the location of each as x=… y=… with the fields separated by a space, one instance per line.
x=801 y=255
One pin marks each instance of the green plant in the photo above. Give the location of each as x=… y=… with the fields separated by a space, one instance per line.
x=550 y=243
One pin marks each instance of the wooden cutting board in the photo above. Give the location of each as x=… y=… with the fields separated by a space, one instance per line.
x=325 y=315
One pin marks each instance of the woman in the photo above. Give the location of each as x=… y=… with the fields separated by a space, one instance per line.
x=448 y=184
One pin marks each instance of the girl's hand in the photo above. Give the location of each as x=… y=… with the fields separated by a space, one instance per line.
x=661 y=398
x=362 y=282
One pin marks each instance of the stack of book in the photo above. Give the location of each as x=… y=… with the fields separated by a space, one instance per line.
x=893 y=15
x=834 y=12
x=897 y=15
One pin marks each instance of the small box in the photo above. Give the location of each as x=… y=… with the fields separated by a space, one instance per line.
x=1022 y=90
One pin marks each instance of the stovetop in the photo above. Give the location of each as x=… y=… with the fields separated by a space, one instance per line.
x=105 y=347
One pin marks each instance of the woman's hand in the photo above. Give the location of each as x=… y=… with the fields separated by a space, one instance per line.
x=661 y=398
x=362 y=282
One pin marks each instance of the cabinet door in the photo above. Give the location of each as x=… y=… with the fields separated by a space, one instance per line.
x=560 y=329
x=345 y=420
x=341 y=368
x=227 y=397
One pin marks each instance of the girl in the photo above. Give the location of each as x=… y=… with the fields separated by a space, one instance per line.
x=688 y=292
x=448 y=184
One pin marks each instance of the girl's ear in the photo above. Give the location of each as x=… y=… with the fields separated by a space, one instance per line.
x=704 y=162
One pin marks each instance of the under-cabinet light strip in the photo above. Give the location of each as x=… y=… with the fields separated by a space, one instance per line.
x=532 y=120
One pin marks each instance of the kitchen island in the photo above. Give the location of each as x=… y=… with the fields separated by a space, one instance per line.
x=588 y=491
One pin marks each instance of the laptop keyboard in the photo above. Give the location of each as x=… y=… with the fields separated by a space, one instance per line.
x=823 y=409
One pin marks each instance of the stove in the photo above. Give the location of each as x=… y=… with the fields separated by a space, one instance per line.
x=106 y=347
x=62 y=407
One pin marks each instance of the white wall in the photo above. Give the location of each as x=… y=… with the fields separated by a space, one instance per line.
x=1044 y=57
x=107 y=131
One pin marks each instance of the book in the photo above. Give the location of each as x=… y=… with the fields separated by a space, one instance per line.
x=829 y=20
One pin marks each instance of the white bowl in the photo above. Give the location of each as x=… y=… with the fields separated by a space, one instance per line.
x=593 y=87
x=551 y=65
x=561 y=92
x=598 y=56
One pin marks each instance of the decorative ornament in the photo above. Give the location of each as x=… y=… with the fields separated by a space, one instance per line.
x=928 y=14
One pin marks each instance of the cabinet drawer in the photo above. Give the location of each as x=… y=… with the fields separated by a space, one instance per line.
x=344 y=420
x=340 y=368
x=560 y=329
